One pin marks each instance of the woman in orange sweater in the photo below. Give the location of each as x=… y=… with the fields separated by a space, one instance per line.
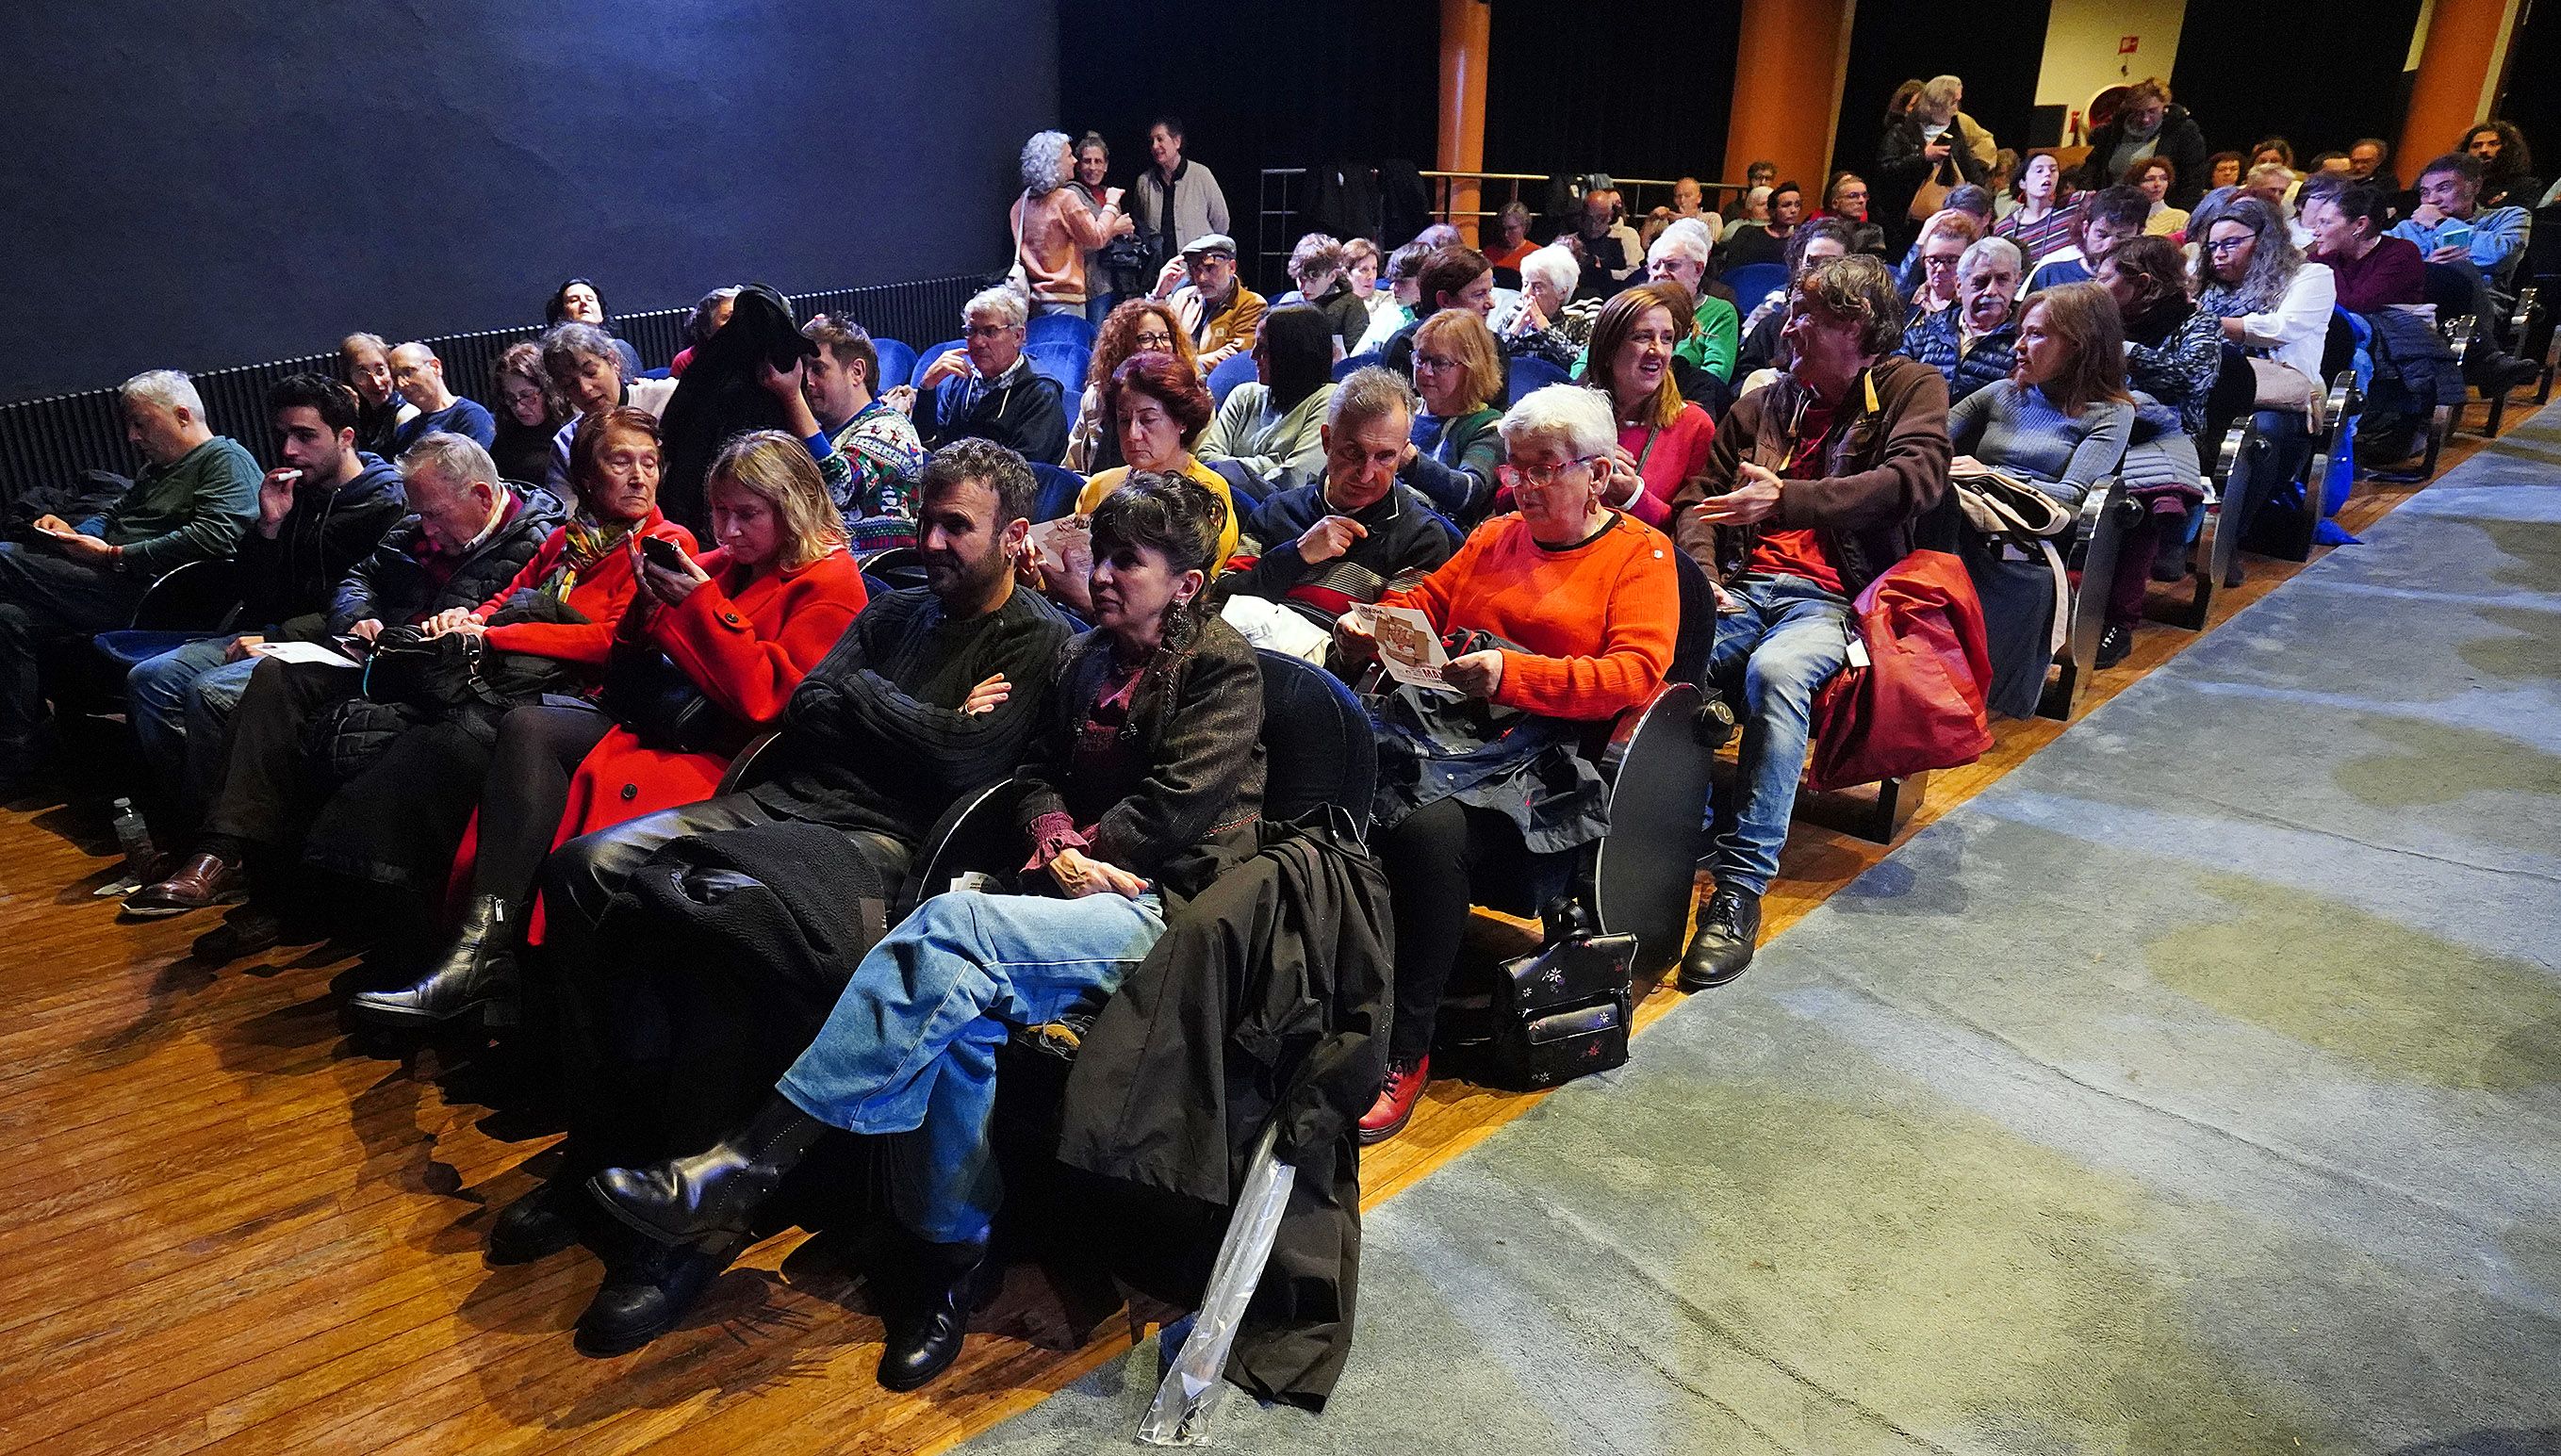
x=742 y=625
x=1587 y=598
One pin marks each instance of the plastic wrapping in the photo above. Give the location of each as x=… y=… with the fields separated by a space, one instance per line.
x=1179 y=1416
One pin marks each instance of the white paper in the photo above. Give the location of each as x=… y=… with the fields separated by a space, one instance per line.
x=310 y=652
x=1408 y=645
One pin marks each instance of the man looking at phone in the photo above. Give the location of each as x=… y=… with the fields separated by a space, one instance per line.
x=196 y=492
x=2450 y=228
x=318 y=514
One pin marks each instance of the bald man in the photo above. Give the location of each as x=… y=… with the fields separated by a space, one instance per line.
x=420 y=376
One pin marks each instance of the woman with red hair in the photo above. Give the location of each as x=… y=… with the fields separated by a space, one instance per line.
x=1157 y=408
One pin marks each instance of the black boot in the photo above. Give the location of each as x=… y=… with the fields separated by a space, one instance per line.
x=477 y=971
x=1722 y=948
x=537 y=1225
x=921 y=1336
x=716 y=1190
x=647 y=1295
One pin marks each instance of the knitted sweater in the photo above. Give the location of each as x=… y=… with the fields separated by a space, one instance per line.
x=2015 y=429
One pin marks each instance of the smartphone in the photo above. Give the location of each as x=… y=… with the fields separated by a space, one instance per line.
x=2457 y=235
x=664 y=555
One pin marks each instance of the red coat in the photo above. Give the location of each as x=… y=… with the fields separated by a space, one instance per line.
x=600 y=596
x=747 y=646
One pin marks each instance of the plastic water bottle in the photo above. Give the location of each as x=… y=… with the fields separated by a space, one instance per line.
x=133 y=836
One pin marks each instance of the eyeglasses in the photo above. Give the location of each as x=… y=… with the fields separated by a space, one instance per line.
x=1155 y=341
x=2229 y=245
x=989 y=331
x=1435 y=361
x=1540 y=477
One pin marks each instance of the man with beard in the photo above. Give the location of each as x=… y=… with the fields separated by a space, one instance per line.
x=930 y=694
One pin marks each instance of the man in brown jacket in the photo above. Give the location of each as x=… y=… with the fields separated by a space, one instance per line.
x=1811 y=490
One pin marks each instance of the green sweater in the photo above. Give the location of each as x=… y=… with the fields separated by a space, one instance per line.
x=1715 y=336
x=190 y=510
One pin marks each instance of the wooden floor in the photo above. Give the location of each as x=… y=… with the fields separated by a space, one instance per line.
x=231 y=1230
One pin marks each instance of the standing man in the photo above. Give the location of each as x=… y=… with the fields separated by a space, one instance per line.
x=1810 y=493
x=196 y=493
x=318 y=514
x=420 y=376
x=1176 y=198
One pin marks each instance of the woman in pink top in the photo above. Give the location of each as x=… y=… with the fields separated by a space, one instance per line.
x=1055 y=228
x=1662 y=438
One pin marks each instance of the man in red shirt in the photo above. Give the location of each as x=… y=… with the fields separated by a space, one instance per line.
x=1810 y=492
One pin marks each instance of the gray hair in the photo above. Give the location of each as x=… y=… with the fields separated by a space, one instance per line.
x=167 y=388
x=455 y=460
x=1568 y=412
x=1368 y=392
x=1315 y=255
x=1555 y=266
x=1001 y=303
x=1686 y=238
x=1044 y=171
x=573 y=339
x=1991 y=247
x=1940 y=93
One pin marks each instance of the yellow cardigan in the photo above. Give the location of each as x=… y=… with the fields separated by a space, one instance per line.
x=1210 y=480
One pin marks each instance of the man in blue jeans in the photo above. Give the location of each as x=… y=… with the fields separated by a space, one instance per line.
x=1810 y=492
x=318 y=514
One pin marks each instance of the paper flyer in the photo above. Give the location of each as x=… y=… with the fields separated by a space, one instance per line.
x=1408 y=646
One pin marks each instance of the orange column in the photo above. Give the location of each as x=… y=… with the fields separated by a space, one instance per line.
x=1788 y=70
x=1467 y=35
x=2460 y=64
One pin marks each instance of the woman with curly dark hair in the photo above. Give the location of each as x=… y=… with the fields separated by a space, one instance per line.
x=1138 y=326
x=531 y=413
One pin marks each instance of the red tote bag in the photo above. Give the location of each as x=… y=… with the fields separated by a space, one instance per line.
x=1917 y=702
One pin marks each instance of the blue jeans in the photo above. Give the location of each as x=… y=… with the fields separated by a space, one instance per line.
x=1098 y=305
x=46 y=602
x=911 y=1047
x=1769 y=659
x=178 y=692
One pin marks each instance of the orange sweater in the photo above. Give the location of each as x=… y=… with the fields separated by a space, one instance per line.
x=1597 y=621
x=600 y=596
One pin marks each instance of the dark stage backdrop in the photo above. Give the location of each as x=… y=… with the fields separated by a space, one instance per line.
x=204 y=184
x=1997 y=49
x=1307 y=84
x=2238 y=96
x=1655 y=105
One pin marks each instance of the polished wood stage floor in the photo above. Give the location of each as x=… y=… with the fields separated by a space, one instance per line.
x=231 y=1229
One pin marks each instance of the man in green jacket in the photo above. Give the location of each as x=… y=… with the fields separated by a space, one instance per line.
x=195 y=496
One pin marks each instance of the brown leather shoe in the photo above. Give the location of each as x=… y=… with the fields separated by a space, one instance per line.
x=200 y=883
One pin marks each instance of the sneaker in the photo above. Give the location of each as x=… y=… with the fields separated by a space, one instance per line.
x=2115 y=643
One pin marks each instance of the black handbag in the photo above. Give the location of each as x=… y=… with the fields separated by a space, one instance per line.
x=648 y=694
x=1564 y=1010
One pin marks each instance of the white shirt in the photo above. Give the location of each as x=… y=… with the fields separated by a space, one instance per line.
x=2296 y=330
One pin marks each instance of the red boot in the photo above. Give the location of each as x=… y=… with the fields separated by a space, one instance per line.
x=1396 y=1098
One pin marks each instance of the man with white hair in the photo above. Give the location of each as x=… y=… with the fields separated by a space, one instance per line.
x=420 y=376
x=195 y=496
x=1680 y=257
x=987 y=389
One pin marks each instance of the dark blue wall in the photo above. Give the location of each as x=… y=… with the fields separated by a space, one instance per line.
x=200 y=184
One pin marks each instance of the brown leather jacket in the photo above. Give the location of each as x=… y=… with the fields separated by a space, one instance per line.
x=1883 y=469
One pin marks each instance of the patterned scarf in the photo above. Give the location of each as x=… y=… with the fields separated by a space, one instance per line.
x=585 y=542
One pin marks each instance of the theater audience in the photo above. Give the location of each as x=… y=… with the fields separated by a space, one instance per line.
x=420 y=376
x=319 y=513
x=195 y=494
x=1939 y=249
x=1549 y=325
x=1393 y=308
x=1457 y=276
x=1357 y=530
x=2273 y=151
x=1764 y=345
x=1160 y=409
x=876 y=453
x=2507 y=167
x=2108 y=217
x=2275 y=307
x=1140 y=326
x=1174 y=199
x=1512 y=224
x=531 y=410
x=2369 y=160
x=1810 y=492
x=2173 y=349
x=710 y=314
x=2452 y=226
x=1664 y=438
x=2222 y=170
x=1317 y=267
x=930 y=694
x=1361 y=263
x=2062 y=418
x=740 y=629
x=1213 y=304
x=365 y=366
x=1933 y=143
x=1578 y=605
x=1751 y=214
x=1275 y=421
x=2275 y=184
x=1054 y=229
x=1146 y=765
x=2044 y=220
x=1846 y=198
x=2148 y=124
x=1458 y=372
x=583 y=362
x=1997 y=180
x=1975 y=342
x=1605 y=251
x=2154 y=177
x=466 y=538
x=2370 y=271
x=578 y=301
x=987 y=389
x=1680 y=255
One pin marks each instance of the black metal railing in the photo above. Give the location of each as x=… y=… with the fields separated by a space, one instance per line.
x=52 y=440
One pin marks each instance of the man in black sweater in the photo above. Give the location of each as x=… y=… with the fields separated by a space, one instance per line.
x=930 y=694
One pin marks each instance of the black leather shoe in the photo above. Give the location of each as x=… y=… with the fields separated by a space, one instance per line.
x=535 y=1227
x=922 y=1337
x=716 y=1190
x=2505 y=372
x=650 y=1295
x=478 y=970
x=244 y=931
x=2115 y=643
x=1722 y=948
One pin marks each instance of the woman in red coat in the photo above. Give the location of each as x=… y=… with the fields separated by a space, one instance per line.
x=744 y=624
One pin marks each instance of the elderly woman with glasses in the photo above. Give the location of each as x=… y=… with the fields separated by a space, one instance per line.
x=1572 y=607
